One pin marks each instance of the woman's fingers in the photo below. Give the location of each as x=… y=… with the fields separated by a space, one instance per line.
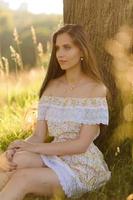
x=10 y=153
x=12 y=166
x=9 y=166
x=15 y=144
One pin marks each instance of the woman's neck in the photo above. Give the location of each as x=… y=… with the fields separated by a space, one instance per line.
x=73 y=76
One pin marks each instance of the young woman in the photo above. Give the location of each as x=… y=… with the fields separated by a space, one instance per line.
x=71 y=108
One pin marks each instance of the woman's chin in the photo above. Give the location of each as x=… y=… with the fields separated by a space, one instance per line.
x=64 y=67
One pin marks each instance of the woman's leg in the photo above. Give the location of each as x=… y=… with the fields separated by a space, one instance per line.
x=41 y=181
x=4 y=178
x=26 y=159
x=23 y=159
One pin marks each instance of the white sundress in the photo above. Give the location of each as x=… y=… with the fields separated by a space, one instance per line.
x=78 y=173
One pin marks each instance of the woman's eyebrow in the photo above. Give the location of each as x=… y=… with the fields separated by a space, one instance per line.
x=67 y=44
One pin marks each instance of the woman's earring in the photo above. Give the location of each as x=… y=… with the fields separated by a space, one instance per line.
x=81 y=58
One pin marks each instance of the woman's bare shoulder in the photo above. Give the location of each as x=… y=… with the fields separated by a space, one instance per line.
x=96 y=89
x=99 y=90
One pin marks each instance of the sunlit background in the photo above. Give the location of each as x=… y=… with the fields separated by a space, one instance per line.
x=26 y=27
x=37 y=6
x=28 y=23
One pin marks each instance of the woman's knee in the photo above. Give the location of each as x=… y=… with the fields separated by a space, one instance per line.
x=21 y=159
x=25 y=159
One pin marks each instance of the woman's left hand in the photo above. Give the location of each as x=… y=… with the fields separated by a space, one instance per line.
x=21 y=145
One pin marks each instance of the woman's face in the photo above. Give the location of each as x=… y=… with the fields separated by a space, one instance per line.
x=67 y=53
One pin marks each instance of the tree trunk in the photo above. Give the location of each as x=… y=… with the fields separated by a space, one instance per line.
x=102 y=19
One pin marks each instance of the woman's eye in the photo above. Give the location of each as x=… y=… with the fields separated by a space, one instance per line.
x=67 y=47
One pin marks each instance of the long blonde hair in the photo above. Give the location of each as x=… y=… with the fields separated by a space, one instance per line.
x=88 y=64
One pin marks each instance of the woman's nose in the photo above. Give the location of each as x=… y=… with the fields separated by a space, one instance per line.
x=60 y=53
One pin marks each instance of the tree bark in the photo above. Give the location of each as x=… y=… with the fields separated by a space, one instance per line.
x=102 y=19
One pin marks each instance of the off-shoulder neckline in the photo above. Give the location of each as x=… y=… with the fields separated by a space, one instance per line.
x=75 y=98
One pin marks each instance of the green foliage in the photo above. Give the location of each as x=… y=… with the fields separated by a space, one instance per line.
x=6 y=20
x=27 y=46
x=8 y=138
x=44 y=26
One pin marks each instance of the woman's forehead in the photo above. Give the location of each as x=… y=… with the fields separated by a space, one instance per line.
x=64 y=38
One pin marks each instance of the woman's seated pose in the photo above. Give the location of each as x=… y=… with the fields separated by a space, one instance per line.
x=71 y=107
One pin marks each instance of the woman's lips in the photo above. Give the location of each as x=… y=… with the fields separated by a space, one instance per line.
x=62 y=61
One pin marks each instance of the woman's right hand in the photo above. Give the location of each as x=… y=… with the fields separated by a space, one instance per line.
x=5 y=164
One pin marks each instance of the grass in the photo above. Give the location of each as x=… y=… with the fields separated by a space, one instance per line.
x=18 y=102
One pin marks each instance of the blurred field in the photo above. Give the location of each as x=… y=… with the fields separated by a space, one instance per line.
x=18 y=100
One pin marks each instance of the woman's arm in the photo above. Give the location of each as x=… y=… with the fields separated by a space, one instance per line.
x=38 y=136
x=40 y=132
x=75 y=146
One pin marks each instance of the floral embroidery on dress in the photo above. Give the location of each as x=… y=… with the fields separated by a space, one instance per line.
x=83 y=172
x=88 y=110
